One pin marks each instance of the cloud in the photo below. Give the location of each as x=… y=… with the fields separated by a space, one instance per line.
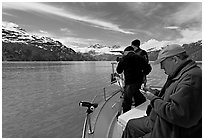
x=7 y=14
x=143 y=8
x=172 y=27
x=42 y=33
x=40 y=7
x=189 y=35
x=153 y=43
x=67 y=31
x=189 y=13
x=78 y=41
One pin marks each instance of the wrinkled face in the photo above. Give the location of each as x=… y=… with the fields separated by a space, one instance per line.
x=168 y=65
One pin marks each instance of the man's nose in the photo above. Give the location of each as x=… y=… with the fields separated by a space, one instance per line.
x=161 y=66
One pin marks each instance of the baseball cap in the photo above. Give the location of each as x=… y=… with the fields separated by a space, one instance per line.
x=169 y=50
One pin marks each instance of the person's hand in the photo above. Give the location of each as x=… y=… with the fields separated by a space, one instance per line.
x=154 y=91
x=149 y=95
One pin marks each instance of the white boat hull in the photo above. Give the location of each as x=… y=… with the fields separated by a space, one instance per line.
x=104 y=117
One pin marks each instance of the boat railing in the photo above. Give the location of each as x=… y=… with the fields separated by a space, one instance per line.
x=117 y=83
x=114 y=87
x=99 y=101
x=107 y=91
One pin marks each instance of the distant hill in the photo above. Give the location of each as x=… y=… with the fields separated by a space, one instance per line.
x=194 y=50
x=29 y=52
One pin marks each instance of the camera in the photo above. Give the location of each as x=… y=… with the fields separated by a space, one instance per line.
x=118 y=59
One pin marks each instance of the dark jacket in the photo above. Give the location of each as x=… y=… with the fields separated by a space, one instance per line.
x=179 y=112
x=134 y=66
x=142 y=53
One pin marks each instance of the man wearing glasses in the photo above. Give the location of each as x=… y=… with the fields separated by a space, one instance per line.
x=176 y=110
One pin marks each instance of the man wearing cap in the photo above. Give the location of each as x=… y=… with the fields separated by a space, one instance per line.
x=132 y=65
x=177 y=109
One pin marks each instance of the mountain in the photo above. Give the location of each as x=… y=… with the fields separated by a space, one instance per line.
x=194 y=50
x=96 y=46
x=18 y=45
x=99 y=46
x=98 y=49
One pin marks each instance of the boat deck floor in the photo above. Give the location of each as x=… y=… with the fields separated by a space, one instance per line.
x=116 y=130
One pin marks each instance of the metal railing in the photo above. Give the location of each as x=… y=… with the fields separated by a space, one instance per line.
x=116 y=85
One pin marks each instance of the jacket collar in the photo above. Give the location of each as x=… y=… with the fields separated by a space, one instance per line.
x=182 y=69
x=177 y=74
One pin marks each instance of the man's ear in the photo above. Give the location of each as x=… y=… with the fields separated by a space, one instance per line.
x=176 y=59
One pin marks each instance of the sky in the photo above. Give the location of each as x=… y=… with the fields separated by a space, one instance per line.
x=81 y=24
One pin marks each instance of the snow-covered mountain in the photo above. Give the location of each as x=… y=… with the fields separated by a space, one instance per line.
x=99 y=49
x=18 y=45
x=98 y=46
x=12 y=33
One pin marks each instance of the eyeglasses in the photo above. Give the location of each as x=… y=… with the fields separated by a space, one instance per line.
x=162 y=62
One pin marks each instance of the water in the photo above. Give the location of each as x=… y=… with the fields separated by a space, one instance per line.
x=40 y=99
